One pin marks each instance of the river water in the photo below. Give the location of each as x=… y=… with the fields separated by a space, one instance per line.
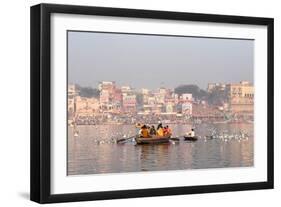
x=95 y=149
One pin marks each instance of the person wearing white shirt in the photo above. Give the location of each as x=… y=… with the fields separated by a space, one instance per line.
x=191 y=133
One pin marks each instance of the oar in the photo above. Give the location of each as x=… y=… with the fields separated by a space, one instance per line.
x=125 y=139
x=176 y=138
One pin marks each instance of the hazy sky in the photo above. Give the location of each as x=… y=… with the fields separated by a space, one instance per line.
x=145 y=61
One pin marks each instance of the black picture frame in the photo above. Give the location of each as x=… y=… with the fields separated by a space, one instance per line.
x=41 y=102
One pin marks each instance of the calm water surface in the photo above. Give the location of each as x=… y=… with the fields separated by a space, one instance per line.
x=94 y=150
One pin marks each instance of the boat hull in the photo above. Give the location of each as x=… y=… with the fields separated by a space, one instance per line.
x=187 y=138
x=153 y=140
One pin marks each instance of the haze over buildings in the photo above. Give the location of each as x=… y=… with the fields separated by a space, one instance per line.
x=145 y=61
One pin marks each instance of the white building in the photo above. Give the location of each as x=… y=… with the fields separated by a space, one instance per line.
x=187 y=108
x=187 y=97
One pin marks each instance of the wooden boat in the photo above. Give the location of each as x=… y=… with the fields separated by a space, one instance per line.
x=153 y=140
x=188 y=138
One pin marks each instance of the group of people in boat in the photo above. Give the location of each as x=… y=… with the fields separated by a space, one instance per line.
x=147 y=131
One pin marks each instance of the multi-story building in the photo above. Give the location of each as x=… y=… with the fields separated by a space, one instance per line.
x=117 y=101
x=186 y=97
x=105 y=100
x=241 y=97
x=170 y=107
x=216 y=86
x=110 y=97
x=145 y=93
x=186 y=108
x=72 y=90
x=184 y=104
x=129 y=103
x=72 y=93
x=170 y=103
x=87 y=106
x=176 y=98
x=107 y=85
x=160 y=95
x=151 y=106
x=126 y=90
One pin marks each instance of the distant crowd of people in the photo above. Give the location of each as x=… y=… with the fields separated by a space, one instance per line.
x=150 y=131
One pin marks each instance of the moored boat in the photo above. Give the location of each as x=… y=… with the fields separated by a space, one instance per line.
x=153 y=140
x=189 y=138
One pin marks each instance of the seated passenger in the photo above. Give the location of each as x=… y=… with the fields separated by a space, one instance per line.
x=138 y=128
x=152 y=130
x=169 y=130
x=165 y=130
x=148 y=128
x=144 y=132
x=160 y=131
x=191 y=133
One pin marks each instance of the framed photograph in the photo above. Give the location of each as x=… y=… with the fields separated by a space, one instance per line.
x=133 y=103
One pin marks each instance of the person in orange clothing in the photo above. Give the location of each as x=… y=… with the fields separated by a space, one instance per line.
x=165 y=130
x=160 y=131
x=144 y=131
x=168 y=130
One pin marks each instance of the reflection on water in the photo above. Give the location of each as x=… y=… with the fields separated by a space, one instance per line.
x=95 y=151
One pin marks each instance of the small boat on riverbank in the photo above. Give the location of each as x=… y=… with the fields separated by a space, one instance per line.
x=153 y=140
x=188 y=138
